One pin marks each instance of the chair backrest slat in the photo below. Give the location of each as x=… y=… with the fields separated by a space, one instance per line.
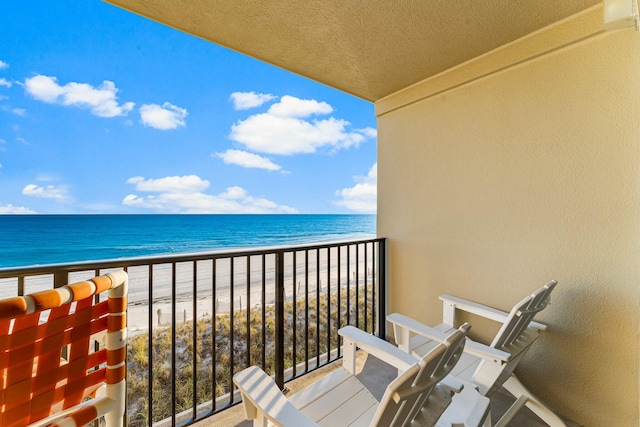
x=515 y=337
x=521 y=316
x=408 y=393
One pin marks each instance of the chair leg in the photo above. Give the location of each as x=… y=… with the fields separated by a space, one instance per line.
x=512 y=411
x=112 y=419
x=260 y=422
x=516 y=388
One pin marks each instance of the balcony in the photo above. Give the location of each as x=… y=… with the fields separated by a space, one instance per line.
x=284 y=306
x=279 y=308
x=507 y=155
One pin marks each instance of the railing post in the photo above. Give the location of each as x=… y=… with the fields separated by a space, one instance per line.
x=60 y=278
x=20 y=285
x=279 y=332
x=382 y=288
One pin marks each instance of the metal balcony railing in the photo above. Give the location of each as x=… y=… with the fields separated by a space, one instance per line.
x=196 y=319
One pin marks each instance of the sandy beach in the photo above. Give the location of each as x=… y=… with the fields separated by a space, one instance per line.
x=199 y=282
x=247 y=289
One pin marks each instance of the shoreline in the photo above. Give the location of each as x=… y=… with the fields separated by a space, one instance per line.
x=151 y=287
x=51 y=241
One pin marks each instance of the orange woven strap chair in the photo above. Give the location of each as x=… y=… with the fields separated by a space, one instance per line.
x=52 y=373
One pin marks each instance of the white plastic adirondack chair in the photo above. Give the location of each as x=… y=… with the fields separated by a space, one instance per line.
x=339 y=399
x=487 y=367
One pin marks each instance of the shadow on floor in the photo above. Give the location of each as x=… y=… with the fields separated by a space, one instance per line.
x=375 y=375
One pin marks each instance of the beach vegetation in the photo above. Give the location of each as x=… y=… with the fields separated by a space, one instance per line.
x=204 y=368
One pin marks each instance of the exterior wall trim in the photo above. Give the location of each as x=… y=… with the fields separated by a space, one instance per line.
x=561 y=35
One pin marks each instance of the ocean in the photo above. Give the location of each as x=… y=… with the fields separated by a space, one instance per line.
x=27 y=240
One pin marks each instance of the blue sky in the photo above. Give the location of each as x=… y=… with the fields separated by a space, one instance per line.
x=103 y=111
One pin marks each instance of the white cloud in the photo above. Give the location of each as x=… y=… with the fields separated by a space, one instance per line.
x=164 y=117
x=369 y=132
x=170 y=184
x=48 y=192
x=9 y=209
x=247 y=160
x=234 y=193
x=101 y=100
x=247 y=100
x=3 y=65
x=285 y=129
x=362 y=197
x=185 y=195
x=5 y=82
x=290 y=106
x=44 y=88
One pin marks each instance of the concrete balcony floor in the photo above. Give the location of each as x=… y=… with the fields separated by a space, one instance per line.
x=375 y=375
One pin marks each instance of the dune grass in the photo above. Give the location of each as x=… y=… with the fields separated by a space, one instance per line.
x=247 y=350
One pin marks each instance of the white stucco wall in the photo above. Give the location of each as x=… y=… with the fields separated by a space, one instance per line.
x=490 y=189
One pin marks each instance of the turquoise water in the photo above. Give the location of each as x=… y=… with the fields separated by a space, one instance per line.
x=52 y=239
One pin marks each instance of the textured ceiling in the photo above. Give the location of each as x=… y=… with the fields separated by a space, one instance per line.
x=367 y=48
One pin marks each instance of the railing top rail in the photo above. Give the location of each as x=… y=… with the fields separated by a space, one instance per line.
x=11 y=272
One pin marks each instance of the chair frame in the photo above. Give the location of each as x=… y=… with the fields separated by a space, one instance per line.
x=494 y=364
x=403 y=399
x=49 y=362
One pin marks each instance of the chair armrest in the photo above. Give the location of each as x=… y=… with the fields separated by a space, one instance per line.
x=403 y=325
x=383 y=350
x=262 y=398
x=452 y=384
x=390 y=354
x=485 y=352
x=483 y=310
